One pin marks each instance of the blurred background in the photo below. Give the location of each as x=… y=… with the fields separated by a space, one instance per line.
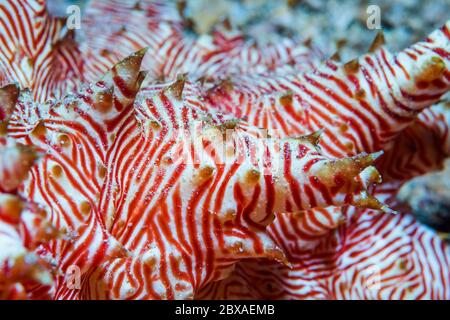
x=333 y=25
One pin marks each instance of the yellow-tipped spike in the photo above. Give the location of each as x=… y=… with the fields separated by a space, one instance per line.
x=432 y=69
x=8 y=96
x=287 y=99
x=141 y=77
x=278 y=255
x=252 y=176
x=104 y=101
x=39 y=130
x=11 y=206
x=135 y=58
x=223 y=86
x=444 y=235
x=364 y=160
x=128 y=69
x=308 y=42
x=352 y=66
x=365 y=200
x=203 y=174
x=125 y=78
x=341 y=43
x=226 y=85
x=138 y=6
x=347 y=168
x=227 y=24
x=177 y=87
x=181 y=6
x=370 y=176
x=22 y=164
x=378 y=42
x=336 y=57
x=314 y=138
x=3 y=128
x=360 y=94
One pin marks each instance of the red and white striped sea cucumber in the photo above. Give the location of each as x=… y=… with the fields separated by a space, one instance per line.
x=165 y=184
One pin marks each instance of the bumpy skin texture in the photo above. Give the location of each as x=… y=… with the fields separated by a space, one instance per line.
x=154 y=212
x=147 y=213
x=23 y=224
x=37 y=51
x=366 y=247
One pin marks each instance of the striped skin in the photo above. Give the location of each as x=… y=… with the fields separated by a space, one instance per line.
x=408 y=260
x=361 y=105
x=146 y=220
x=313 y=223
x=116 y=28
x=421 y=70
x=23 y=227
x=369 y=256
x=273 y=114
x=36 y=50
x=184 y=230
x=69 y=178
x=424 y=145
x=411 y=260
x=223 y=54
x=423 y=278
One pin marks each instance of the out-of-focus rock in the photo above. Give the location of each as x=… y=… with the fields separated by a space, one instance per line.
x=429 y=198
